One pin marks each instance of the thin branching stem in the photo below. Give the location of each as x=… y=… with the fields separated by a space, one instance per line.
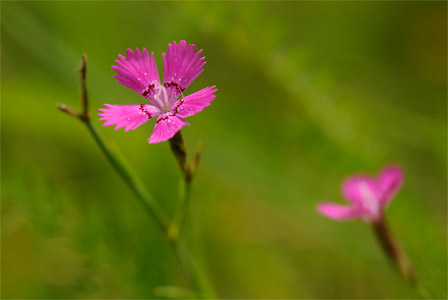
x=83 y=93
x=197 y=279
x=152 y=207
x=200 y=281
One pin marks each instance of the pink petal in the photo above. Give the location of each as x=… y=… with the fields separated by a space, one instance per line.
x=181 y=66
x=166 y=127
x=138 y=72
x=357 y=187
x=128 y=116
x=362 y=191
x=339 y=212
x=389 y=183
x=194 y=103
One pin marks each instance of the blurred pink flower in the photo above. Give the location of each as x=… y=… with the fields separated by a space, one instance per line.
x=181 y=66
x=369 y=196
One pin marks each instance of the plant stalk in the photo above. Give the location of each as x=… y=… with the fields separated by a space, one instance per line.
x=132 y=181
x=393 y=251
x=179 y=149
x=186 y=260
x=152 y=207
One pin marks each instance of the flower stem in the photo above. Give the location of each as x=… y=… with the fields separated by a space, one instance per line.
x=199 y=280
x=176 y=226
x=393 y=251
x=397 y=256
x=83 y=93
x=127 y=175
x=179 y=149
x=192 y=271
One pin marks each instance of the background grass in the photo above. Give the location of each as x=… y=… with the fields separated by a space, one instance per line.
x=309 y=92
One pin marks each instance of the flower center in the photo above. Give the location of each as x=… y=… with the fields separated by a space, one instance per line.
x=161 y=97
x=369 y=199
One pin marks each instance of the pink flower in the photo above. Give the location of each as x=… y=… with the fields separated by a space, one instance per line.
x=369 y=196
x=181 y=66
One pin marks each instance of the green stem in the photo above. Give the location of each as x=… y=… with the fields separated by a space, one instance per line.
x=125 y=172
x=397 y=256
x=179 y=149
x=197 y=277
x=393 y=251
x=192 y=271
x=177 y=225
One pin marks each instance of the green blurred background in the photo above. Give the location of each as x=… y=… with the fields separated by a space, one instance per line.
x=309 y=92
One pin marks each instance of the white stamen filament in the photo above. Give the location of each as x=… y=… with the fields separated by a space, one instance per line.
x=162 y=99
